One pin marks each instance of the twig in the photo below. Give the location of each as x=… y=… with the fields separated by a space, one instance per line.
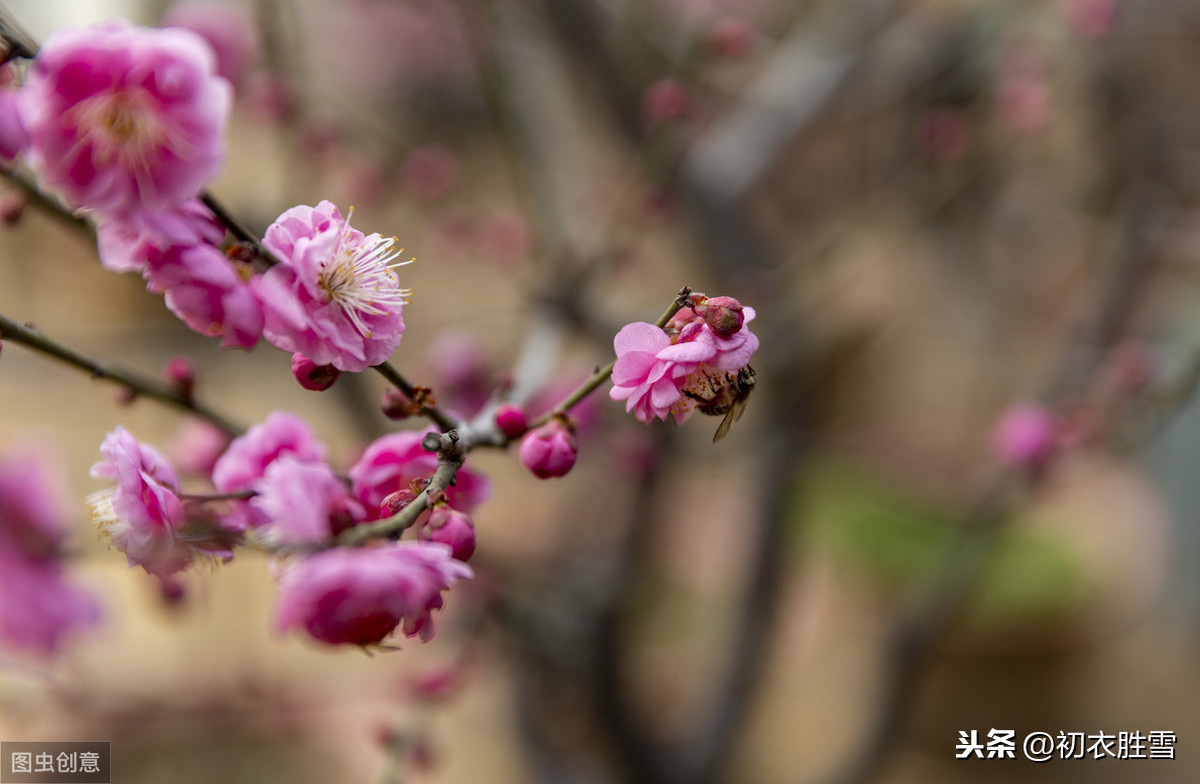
x=31 y=338
x=238 y=229
x=451 y=454
x=49 y=205
x=432 y=413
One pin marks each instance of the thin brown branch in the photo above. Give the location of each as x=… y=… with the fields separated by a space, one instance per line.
x=145 y=387
x=432 y=413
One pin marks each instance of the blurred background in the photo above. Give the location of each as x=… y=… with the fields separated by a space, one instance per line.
x=943 y=211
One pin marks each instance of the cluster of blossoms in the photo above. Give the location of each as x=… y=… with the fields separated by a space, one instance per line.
x=126 y=124
x=39 y=607
x=274 y=487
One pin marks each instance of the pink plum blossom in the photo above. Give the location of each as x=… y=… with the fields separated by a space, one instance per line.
x=550 y=450
x=360 y=595
x=228 y=29
x=204 y=289
x=303 y=502
x=123 y=118
x=143 y=514
x=31 y=504
x=451 y=528
x=128 y=243
x=336 y=297
x=725 y=352
x=39 y=608
x=651 y=371
x=177 y=251
x=392 y=462
x=246 y=460
x=654 y=367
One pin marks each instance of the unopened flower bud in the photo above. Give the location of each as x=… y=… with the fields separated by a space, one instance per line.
x=723 y=315
x=511 y=421
x=550 y=451
x=395 y=502
x=172 y=591
x=312 y=376
x=1026 y=436
x=12 y=207
x=450 y=527
x=181 y=374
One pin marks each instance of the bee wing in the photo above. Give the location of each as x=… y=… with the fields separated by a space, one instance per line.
x=732 y=415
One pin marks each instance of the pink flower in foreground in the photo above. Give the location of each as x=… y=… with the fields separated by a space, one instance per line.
x=38 y=607
x=246 y=460
x=228 y=29
x=336 y=297
x=143 y=514
x=550 y=450
x=654 y=367
x=31 y=507
x=392 y=462
x=360 y=595
x=122 y=118
x=303 y=503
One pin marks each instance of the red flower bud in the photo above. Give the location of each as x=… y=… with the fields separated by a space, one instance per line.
x=180 y=374
x=511 y=421
x=312 y=376
x=723 y=315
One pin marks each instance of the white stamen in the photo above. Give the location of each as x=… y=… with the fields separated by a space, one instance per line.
x=361 y=278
